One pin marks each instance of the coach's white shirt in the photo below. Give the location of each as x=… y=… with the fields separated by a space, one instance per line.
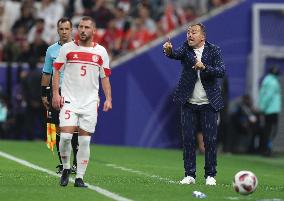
x=199 y=95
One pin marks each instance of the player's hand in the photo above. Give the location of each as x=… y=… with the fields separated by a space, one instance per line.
x=168 y=47
x=107 y=105
x=45 y=102
x=57 y=101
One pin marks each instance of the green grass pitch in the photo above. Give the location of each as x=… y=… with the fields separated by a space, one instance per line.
x=132 y=173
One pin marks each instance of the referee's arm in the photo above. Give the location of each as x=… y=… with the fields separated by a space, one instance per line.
x=56 y=99
x=45 y=79
x=45 y=89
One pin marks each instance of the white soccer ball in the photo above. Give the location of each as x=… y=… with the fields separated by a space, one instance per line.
x=245 y=182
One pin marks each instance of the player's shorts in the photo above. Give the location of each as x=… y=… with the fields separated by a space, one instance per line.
x=86 y=121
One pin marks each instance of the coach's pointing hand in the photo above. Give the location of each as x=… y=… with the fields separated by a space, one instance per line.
x=198 y=65
x=168 y=47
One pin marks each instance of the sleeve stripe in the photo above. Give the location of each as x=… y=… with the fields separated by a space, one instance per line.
x=57 y=66
x=107 y=72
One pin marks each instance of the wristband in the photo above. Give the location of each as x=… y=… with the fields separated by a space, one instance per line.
x=45 y=91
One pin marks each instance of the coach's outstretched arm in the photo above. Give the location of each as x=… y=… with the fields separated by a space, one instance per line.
x=177 y=54
x=107 y=91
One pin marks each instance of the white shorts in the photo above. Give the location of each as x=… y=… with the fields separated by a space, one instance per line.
x=85 y=121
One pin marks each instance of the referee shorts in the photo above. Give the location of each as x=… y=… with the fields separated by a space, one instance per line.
x=52 y=114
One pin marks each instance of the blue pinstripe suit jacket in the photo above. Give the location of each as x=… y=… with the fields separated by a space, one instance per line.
x=214 y=69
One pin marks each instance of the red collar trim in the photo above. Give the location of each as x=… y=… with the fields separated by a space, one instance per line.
x=77 y=43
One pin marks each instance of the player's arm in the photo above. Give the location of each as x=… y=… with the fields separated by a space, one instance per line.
x=107 y=91
x=45 y=79
x=105 y=72
x=57 y=101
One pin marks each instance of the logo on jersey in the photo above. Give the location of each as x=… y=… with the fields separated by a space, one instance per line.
x=75 y=56
x=95 y=58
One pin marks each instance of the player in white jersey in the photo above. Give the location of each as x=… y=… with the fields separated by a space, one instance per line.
x=64 y=29
x=83 y=63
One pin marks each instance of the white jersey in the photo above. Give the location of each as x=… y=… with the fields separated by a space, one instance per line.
x=82 y=68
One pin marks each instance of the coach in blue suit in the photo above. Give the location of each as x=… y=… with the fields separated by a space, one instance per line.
x=199 y=94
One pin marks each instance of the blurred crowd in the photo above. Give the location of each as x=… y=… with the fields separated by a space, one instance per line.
x=245 y=127
x=28 y=27
x=22 y=114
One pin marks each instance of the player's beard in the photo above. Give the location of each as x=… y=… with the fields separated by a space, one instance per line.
x=84 y=38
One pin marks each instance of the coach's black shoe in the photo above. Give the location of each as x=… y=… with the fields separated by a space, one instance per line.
x=59 y=169
x=79 y=183
x=74 y=169
x=65 y=177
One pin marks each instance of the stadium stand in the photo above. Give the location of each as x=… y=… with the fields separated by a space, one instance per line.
x=132 y=31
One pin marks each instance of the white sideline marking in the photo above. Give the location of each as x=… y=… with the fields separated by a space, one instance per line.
x=141 y=173
x=232 y=198
x=92 y=187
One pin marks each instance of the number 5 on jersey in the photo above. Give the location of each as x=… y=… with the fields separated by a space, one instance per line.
x=83 y=70
x=67 y=114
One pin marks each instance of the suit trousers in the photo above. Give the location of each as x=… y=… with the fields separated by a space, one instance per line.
x=194 y=117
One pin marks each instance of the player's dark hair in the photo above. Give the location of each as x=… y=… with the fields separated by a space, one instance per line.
x=86 y=18
x=64 y=19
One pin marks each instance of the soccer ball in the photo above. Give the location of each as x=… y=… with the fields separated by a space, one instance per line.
x=245 y=182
